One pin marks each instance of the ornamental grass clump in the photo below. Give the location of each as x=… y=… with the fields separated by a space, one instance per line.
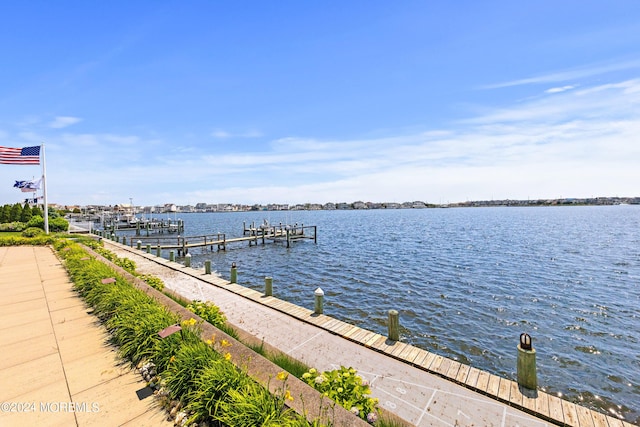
x=186 y=366
x=251 y=404
x=347 y=389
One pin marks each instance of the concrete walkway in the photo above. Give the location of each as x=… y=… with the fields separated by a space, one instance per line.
x=421 y=387
x=56 y=368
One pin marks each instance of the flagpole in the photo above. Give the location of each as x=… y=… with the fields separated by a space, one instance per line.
x=44 y=190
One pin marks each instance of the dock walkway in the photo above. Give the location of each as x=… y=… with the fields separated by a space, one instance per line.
x=56 y=368
x=421 y=387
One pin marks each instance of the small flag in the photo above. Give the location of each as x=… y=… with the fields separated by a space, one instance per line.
x=20 y=156
x=28 y=186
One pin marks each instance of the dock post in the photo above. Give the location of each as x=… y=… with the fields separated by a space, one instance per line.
x=187 y=260
x=234 y=273
x=148 y=248
x=288 y=241
x=207 y=267
x=139 y=244
x=319 y=297
x=527 y=377
x=172 y=256
x=394 y=325
x=124 y=240
x=158 y=250
x=268 y=286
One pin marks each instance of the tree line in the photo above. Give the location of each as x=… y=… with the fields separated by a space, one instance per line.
x=18 y=217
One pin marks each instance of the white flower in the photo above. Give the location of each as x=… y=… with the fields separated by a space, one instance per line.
x=320 y=379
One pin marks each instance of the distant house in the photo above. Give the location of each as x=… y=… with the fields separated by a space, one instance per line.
x=359 y=205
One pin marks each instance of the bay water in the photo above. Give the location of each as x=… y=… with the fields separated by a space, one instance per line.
x=467 y=282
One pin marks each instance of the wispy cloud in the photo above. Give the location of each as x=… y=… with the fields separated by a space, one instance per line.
x=64 y=121
x=568 y=75
x=223 y=134
x=560 y=89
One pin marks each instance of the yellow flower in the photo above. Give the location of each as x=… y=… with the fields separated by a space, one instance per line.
x=172 y=359
x=189 y=322
x=225 y=343
x=287 y=395
x=282 y=375
x=227 y=356
x=209 y=342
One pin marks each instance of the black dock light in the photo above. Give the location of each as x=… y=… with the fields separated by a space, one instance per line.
x=525 y=341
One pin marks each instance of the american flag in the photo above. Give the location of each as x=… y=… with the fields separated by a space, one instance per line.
x=20 y=156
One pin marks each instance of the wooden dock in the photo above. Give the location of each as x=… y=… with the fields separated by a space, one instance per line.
x=280 y=233
x=147 y=226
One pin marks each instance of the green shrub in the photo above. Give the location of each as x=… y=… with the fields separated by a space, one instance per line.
x=153 y=281
x=36 y=221
x=58 y=224
x=12 y=226
x=346 y=388
x=32 y=232
x=207 y=311
x=16 y=240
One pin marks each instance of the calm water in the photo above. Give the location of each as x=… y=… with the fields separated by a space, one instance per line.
x=467 y=282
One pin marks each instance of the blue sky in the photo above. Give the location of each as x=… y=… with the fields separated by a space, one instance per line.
x=294 y=102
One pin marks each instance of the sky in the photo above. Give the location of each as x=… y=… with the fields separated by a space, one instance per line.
x=186 y=102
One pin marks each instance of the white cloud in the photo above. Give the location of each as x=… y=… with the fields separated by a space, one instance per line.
x=64 y=121
x=562 y=76
x=222 y=134
x=559 y=89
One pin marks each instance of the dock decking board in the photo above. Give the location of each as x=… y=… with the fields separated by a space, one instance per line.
x=472 y=378
x=372 y=340
x=542 y=404
x=515 y=396
x=463 y=372
x=599 y=420
x=494 y=384
x=453 y=369
x=504 y=389
x=584 y=416
x=569 y=412
x=428 y=361
x=483 y=381
x=443 y=367
x=555 y=408
x=367 y=337
x=411 y=356
x=420 y=357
